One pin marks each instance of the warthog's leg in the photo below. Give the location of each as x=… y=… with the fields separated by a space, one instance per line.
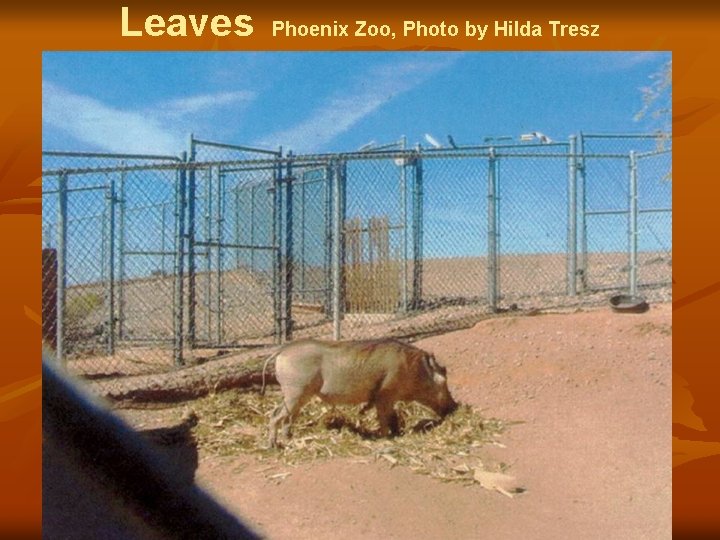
x=276 y=417
x=371 y=399
x=387 y=417
x=284 y=414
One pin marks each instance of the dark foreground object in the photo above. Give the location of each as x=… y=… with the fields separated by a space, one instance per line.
x=102 y=480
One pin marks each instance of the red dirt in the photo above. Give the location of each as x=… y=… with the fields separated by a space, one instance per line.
x=593 y=390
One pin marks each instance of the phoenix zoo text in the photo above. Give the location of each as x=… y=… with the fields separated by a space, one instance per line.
x=359 y=28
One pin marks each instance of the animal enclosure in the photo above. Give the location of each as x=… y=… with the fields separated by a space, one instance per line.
x=156 y=261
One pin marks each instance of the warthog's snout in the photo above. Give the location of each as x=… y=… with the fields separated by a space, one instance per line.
x=445 y=407
x=450 y=408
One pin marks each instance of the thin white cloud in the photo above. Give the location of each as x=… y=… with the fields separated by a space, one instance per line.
x=161 y=129
x=621 y=61
x=342 y=110
x=109 y=128
x=205 y=102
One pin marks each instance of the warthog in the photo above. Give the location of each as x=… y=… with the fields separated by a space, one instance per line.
x=377 y=372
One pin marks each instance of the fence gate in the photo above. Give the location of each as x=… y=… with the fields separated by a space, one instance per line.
x=311 y=245
x=232 y=261
x=624 y=214
x=653 y=231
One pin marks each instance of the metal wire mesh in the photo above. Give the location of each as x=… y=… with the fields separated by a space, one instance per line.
x=151 y=263
x=455 y=197
x=147 y=246
x=373 y=234
x=112 y=237
x=655 y=219
x=533 y=199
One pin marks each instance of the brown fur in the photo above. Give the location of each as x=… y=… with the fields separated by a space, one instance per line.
x=376 y=372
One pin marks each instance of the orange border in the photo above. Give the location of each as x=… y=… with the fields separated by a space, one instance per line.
x=692 y=36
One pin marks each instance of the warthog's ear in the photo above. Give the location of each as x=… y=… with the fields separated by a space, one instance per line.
x=435 y=366
x=434 y=369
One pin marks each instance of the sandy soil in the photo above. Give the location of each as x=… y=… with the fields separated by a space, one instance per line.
x=528 y=281
x=592 y=391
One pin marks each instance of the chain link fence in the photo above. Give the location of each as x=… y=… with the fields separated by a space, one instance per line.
x=153 y=263
x=625 y=199
x=231 y=245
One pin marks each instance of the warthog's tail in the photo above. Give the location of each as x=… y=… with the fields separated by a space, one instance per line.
x=271 y=357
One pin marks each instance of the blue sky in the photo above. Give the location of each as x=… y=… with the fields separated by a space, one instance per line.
x=334 y=101
x=132 y=102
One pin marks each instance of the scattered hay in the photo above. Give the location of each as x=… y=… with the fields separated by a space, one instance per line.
x=233 y=422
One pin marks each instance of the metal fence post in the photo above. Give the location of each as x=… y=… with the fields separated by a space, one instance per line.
x=219 y=225
x=417 y=232
x=61 y=268
x=179 y=259
x=303 y=224
x=633 y=225
x=208 y=253
x=572 y=221
x=163 y=244
x=492 y=240
x=236 y=215
x=580 y=163
x=277 y=263
x=342 y=171
x=404 y=220
x=252 y=226
x=103 y=242
x=289 y=263
x=329 y=236
x=191 y=199
x=110 y=274
x=337 y=248
x=121 y=255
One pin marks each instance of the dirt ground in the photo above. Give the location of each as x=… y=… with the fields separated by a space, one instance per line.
x=144 y=343
x=592 y=394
